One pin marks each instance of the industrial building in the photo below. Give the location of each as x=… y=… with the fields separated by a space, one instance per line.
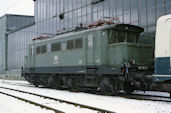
x=52 y=16
x=57 y=15
x=8 y=23
x=17 y=43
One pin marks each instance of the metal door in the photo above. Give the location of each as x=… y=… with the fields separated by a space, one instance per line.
x=32 y=56
x=90 y=50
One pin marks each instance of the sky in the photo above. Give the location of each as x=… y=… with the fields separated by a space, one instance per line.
x=21 y=7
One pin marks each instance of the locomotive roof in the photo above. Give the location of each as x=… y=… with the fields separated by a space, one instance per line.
x=120 y=27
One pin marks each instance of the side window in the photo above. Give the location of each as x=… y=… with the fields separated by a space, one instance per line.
x=41 y=49
x=44 y=49
x=70 y=44
x=38 y=50
x=78 y=43
x=56 y=46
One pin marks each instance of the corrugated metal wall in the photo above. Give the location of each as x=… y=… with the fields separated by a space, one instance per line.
x=2 y=43
x=143 y=13
x=9 y=23
x=17 y=46
x=17 y=21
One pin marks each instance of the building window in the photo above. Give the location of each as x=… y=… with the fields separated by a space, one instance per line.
x=70 y=44
x=78 y=43
x=56 y=47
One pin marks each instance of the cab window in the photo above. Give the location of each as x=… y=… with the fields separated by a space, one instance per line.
x=112 y=37
x=132 y=37
x=122 y=36
x=78 y=43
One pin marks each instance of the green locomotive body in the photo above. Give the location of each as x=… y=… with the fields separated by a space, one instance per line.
x=104 y=58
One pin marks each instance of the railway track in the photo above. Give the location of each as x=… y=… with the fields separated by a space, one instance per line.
x=99 y=110
x=18 y=84
x=147 y=97
x=131 y=96
x=33 y=103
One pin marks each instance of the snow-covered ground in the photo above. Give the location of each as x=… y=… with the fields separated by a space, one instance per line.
x=67 y=108
x=12 y=105
x=112 y=103
x=155 y=93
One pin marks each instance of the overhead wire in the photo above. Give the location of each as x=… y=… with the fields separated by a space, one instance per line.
x=12 y=5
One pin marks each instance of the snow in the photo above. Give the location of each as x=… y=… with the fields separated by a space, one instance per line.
x=112 y=103
x=67 y=108
x=153 y=93
x=12 y=105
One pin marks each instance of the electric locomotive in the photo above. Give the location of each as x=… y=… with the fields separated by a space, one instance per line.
x=105 y=59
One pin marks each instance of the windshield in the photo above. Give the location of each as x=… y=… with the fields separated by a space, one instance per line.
x=122 y=36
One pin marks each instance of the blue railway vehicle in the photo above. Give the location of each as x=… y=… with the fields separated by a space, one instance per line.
x=163 y=53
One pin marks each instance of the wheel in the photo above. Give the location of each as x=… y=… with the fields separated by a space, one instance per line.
x=50 y=81
x=128 y=88
x=115 y=87
x=36 y=84
x=57 y=82
x=106 y=86
x=69 y=83
x=72 y=84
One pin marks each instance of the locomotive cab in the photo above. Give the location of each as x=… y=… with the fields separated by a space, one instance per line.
x=124 y=33
x=124 y=47
x=134 y=59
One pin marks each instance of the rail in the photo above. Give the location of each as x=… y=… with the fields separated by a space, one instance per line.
x=63 y=101
x=34 y=103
